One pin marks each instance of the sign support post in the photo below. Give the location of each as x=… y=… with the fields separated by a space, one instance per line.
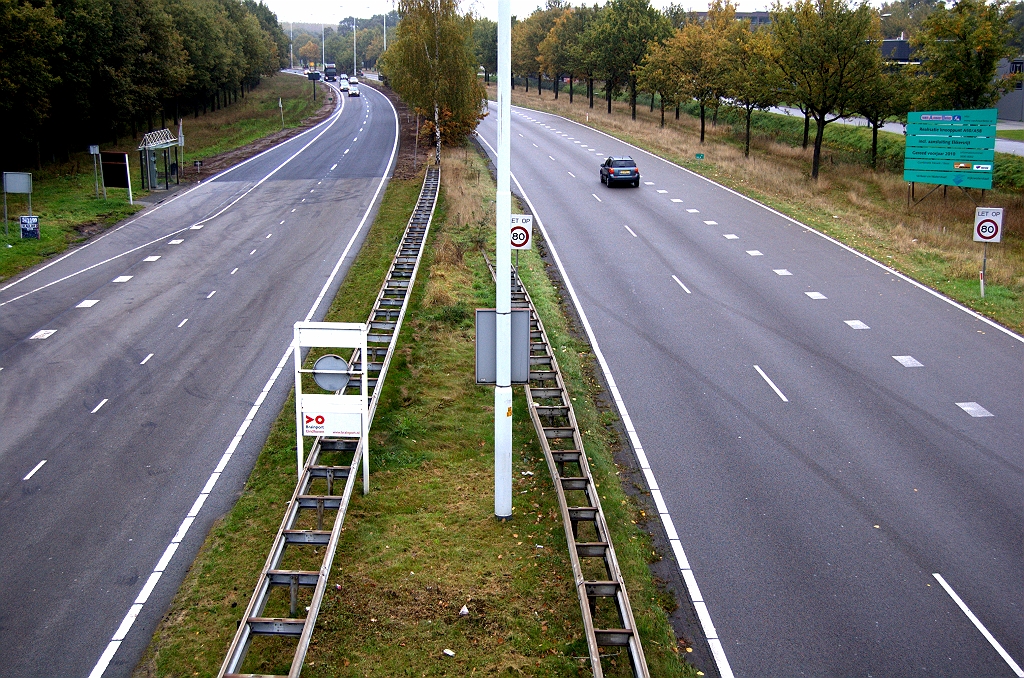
x=988 y=227
x=503 y=274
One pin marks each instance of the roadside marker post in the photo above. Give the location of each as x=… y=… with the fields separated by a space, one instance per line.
x=988 y=227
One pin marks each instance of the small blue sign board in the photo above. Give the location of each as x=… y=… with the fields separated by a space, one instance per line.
x=951 y=148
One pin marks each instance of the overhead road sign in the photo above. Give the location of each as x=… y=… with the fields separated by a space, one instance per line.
x=951 y=148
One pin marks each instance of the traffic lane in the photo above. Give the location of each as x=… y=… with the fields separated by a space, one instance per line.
x=316 y=249
x=602 y=268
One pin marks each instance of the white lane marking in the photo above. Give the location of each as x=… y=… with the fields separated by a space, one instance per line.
x=571 y=174
x=681 y=284
x=165 y=559
x=122 y=279
x=211 y=294
x=355 y=140
x=332 y=169
x=630 y=230
x=97 y=408
x=772 y=384
x=42 y=334
x=182 y=323
x=693 y=211
x=269 y=234
x=197 y=227
x=252 y=253
x=281 y=224
x=146 y=359
x=319 y=182
x=717 y=649
x=781 y=271
x=520 y=134
x=596 y=198
x=648 y=183
x=857 y=325
x=907 y=361
x=676 y=200
x=155 y=257
x=346 y=151
x=176 y=241
x=974 y=409
x=662 y=190
x=360 y=129
x=34 y=469
x=978 y=625
x=755 y=253
x=234 y=271
x=575 y=142
x=550 y=157
x=535 y=145
x=88 y=303
x=303 y=200
x=816 y=295
x=313 y=190
x=711 y=223
x=730 y=236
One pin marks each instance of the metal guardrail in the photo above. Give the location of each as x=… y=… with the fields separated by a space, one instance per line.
x=586 y=531
x=307 y=534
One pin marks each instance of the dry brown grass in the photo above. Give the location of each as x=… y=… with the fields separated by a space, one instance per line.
x=863 y=208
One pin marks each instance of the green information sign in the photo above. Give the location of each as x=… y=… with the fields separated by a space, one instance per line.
x=951 y=148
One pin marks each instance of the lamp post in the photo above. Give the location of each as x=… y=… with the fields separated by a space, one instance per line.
x=353 y=44
x=503 y=310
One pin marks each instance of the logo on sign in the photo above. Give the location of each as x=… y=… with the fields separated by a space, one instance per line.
x=982 y=168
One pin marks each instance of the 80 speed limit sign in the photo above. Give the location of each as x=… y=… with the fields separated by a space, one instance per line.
x=988 y=224
x=522 y=231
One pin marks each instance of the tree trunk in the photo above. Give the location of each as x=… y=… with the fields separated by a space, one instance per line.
x=513 y=82
x=663 y=112
x=632 y=98
x=590 y=91
x=677 y=110
x=807 y=128
x=819 y=135
x=571 y=78
x=874 y=143
x=746 y=149
x=652 y=103
x=554 y=85
x=714 y=116
x=702 y=122
x=608 y=96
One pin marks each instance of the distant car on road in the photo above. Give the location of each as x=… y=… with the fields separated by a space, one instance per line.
x=343 y=84
x=353 y=79
x=620 y=170
x=353 y=91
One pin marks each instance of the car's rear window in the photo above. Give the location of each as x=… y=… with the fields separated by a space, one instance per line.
x=623 y=163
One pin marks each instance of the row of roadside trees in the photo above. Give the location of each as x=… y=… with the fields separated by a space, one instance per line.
x=75 y=72
x=822 y=56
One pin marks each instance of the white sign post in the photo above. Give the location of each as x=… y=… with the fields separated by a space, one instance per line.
x=988 y=227
x=332 y=414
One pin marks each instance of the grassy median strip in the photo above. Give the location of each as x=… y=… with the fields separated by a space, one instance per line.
x=424 y=542
x=64 y=193
x=863 y=208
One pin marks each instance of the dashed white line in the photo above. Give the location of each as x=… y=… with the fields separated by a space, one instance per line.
x=34 y=469
x=182 y=323
x=97 y=408
x=313 y=190
x=662 y=190
x=974 y=409
x=571 y=174
x=857 y=325
x=693 y=211
x=233 y=271
x=550 y=157
x=346 y=151
x=122 y=279
x=252 y=253
x=711 y=223
x=535 y=145
x=781 y=271
x=730 y=236
x=680 y=282
x=816 y=295
x=630 y=230
x=155 y=257
x=176 y=241
x=978 y=625
x=596 y=198
x=211 y=294
x=355 y=140
x=196 y=227
x=88 y=303
x=269 y=234
x=293 y=209
x=676 y=200
x=282 y=223
x=146 y=359
x=648 y=183
x=42 y=334
x=332 y=169
x=907 y=361
x=755 y=253
x=772 y=384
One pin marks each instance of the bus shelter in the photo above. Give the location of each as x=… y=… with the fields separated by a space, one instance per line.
x=156 y=145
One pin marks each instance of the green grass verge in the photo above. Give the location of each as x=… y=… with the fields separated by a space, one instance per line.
x=1014 y=134
x=64 y=194
x=424 y=542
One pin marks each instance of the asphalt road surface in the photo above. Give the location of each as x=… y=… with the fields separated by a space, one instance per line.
x=139 y=377
x=832 y=444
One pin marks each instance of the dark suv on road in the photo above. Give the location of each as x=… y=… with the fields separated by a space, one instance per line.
x=620 y=169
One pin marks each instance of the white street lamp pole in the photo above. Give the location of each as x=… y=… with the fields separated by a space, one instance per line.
x=354 y=69
x=503 y=260
x=291 y=40
x=323 y=47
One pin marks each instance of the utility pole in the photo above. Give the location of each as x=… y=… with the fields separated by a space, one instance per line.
x=323 y=48
x=503 y=265
x=354 y=69
x=291 y=39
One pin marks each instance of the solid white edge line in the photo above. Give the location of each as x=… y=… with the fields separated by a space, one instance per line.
x=630 y=230
x=173 y=198
x=721 y=661
x=772 y=384
x=681 y=284
x=135 y=609
x=34 y=469
x=981 y=627
x=832 y=240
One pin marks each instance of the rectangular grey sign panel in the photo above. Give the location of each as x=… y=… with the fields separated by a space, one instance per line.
x=486 y=334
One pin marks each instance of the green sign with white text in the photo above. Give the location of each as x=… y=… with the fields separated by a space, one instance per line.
x=951 y=148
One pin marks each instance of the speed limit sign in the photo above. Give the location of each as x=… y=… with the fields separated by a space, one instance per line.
x=988 y=224
x=522 y=231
